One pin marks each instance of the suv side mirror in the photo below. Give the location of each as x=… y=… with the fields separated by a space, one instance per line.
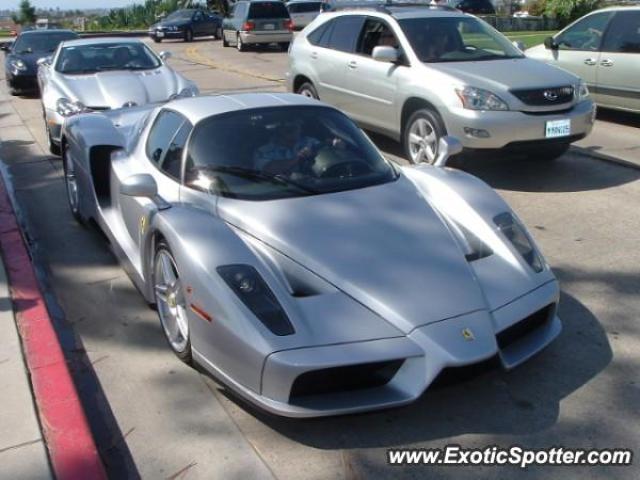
x=550 y=43
x=44 y=61
x=448 y=146
x=385 y=54
x=139 y=185
x=519 y=45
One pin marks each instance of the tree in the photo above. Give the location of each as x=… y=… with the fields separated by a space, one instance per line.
x=26 y=15
x=568 y=10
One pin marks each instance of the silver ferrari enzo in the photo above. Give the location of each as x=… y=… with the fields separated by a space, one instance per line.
x=96 y=74
x=288 y=258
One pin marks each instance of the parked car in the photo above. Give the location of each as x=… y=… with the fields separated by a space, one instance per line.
x=257 y=22
x=187 y=24
x=21 y=57
x=476 y=7
x=417 y=73
x=603 y=48
x=96 y=74
x=251 y=222
x=303 y=12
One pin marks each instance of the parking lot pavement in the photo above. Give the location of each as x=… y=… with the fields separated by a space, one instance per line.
x=162 y=419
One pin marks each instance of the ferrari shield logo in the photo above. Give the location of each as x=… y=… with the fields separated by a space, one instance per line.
x=143 y=223
x=467 y=334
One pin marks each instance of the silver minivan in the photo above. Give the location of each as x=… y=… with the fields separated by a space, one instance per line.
x=417 y=73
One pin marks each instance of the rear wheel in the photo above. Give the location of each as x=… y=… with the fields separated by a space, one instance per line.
x=171 y=302
x=224 y=40
x=284 y=46
x=157 y=39
x=188 y=35
x=307 y=90
x=421 y=135
x=240 y=44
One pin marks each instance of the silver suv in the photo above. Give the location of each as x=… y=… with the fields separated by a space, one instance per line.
x=416 y=73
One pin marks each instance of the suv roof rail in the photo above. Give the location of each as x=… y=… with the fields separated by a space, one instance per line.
x=382 y=5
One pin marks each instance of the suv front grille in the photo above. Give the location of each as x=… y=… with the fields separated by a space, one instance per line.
x=545 y=97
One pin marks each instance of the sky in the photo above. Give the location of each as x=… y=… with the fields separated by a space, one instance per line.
x=69 y=4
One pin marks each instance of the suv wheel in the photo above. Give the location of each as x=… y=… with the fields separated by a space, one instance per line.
x=240 y=44
x=421 y=135
x=307 y=90
x=188 y=35
x=218 y=33
x=224 y=40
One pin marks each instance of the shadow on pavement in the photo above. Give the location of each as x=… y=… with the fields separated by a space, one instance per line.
x=622 y=118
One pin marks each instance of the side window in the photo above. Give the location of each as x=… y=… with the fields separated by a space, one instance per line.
x=162 y=132
x=345 y=33
x=586 y=34
x=171 y=163
x=320 y=36
x=623 y=34
x=376 y=33
x=197 y=17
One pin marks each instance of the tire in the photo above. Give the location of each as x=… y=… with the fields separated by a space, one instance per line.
x=240 y=44
x=218 y=33
x=53 y=148
x=421 y=135
x=284 y=46
x=171 y=303
x=224 y=40
x=308 y=90
x=71 y=185
x=188 y=35
x=550 y=153
x=157 y=39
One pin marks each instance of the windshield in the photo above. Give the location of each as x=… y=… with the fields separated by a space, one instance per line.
x=41 y=43
x=179 y=15
x=260 y=10
x=106 y=56
x=456 y=39
x=282 y=152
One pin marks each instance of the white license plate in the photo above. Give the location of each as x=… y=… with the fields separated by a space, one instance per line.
x=558 y=128
x=269 y=26
x=159 y=34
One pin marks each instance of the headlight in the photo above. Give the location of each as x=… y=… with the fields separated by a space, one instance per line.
x=129 y=104
x=515 y=232
x=473 y=247
x=582 y=91
x=479 y=99
x=188 y=92
x=18 y=65
x=66 y=107
x=249 y=286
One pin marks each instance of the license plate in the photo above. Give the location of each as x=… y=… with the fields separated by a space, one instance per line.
x=558 y=128
x=159 y=34
x=269 y=26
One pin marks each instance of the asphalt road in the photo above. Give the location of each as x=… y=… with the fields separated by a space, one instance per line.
x=157 y=418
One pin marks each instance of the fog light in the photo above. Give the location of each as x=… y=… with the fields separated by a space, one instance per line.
x=476 y=132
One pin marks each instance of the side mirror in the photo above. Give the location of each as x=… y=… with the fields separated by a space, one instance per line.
x=519 y=45
x=447 y=148
x=385 y=54
x=139 y=185
x=44 y=61
x=550 y=43
x=164 y=55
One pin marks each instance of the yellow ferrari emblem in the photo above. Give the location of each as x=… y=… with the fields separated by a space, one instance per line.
x=468 y=335
x=143 y=223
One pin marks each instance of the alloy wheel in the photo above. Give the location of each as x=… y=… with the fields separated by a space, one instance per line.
x=171 y=301
x=423 y=141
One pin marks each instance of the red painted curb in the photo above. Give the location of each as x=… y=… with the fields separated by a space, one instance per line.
x=72 y=450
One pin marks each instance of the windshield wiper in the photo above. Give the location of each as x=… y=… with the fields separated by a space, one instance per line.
x=257 y=174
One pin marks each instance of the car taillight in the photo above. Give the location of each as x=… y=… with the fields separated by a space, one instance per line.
x=248 y=26
x=288 y=24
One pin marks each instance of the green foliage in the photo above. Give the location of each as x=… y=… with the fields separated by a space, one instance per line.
x=567 y=11
x=538 y=8
x=26 y=14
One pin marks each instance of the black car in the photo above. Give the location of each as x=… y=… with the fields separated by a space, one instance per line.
x=187 y=24
x=21 y=57
x=476 y=7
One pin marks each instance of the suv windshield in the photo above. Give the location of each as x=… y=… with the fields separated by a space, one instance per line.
x=106 y=56
x=259 y=10
x=456 y=39
x=41 y=43
x=269 y=153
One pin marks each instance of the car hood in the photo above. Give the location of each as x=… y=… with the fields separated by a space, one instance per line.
x=384 y=246
x=501 y=75
x=114 y=88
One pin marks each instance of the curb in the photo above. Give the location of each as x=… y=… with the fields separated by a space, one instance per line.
x=604 y=157
x=71 y=447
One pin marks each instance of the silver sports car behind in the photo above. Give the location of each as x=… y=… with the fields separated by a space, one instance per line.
x=96 y=74
x=298 y=266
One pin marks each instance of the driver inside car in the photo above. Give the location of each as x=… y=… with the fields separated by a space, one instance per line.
x=287 y=150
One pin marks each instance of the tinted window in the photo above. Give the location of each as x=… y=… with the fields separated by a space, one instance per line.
x=260 y=10
x=306 y=7
x=198 y=16
x=171 y=163
x=623 y=34
x=320 y=36
x=586 y=34
x=106 y=56
x=345 y=32
x=41 y=42
x=376 y=34
x=179 y=15
x=162 y=132
x=278 y=152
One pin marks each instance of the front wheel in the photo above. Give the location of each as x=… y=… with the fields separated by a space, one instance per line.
x=224 y=40
x=157 y=39
x=171 y=303
x=53 y=147
x=71 y=184
x=421 y=136
x=307 y=90
x=188 y=35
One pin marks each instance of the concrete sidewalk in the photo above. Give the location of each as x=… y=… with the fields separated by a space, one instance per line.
x=23 y=454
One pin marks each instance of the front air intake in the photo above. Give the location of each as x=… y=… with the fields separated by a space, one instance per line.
x=522 y=328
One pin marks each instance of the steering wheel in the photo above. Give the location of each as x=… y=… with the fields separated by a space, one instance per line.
x=349 y=168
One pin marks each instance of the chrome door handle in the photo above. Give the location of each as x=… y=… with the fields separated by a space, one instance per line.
x=352 y=64
x=606 y=63
x=590 y=61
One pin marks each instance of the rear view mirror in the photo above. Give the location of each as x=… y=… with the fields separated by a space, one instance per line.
x=139 y=185
x=385 y=54
x=519 y=45
x=550 y=43
x=447 y=148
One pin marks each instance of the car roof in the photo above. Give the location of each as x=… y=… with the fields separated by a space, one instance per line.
x=199 y=108
x=100 y=41
x=618 y=8
x=397 y=10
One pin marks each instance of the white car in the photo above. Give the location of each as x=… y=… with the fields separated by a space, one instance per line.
x=103 y=74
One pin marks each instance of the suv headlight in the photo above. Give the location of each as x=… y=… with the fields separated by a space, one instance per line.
x=66 y=107
x=582 y=91
x=515 y=232
x=479 y=99
x=252 y=290
x=18 y=65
